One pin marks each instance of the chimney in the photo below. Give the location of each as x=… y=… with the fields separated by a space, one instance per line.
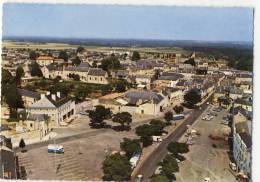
x=42 y=96
x=58 y=94
x=53 y=96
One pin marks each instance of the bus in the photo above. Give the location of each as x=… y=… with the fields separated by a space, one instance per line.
x=55 y=149
x=178 y=116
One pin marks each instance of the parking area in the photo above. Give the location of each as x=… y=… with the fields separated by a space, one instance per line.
x=208 y=156
x=82 y=159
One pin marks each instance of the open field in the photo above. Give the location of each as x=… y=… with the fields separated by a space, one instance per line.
x=61 y=46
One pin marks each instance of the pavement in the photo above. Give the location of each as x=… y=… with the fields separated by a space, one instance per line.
x=204 y=160
x=148 y=166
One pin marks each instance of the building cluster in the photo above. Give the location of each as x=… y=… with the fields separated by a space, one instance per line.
x=160 y=80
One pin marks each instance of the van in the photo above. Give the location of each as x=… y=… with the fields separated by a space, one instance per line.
x=55 y=149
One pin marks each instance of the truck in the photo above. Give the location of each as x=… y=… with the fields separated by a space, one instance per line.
x=135 y=159
x=178 y=116
x=55 y=149
x=157 y=138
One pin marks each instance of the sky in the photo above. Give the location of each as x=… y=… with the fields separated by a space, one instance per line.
x=127 y=22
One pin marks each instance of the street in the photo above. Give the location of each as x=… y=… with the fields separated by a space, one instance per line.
x=148 y=167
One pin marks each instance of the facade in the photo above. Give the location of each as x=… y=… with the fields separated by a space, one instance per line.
x=45 y=60
x=242 y=143
x=58 y=108
x=8 y=163
x=28 y=97
x=38 y=122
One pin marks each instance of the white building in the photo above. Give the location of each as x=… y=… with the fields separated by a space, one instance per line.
x=59 y=108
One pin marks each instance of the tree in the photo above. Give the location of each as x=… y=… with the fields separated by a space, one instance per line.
x=159 y=178
x=106 y=89
x=168 y=116
x=35 y=69
x=130 y=146
x=63 y=55
x=176 y=147
x=19 y=74
x=94 y=64
x=76 y=61
x=33 y=55
x=122 y=118
x=116 y=168
x=169 y=167
x=80 y=49
x=190 y=61
x=7 y=79
x=110 y=63
x=13 y=98
x=178 y=109
x=81 y=92
x=157 y=127
x=136 y=56
x=156 y=74
x=98 y=116
x=22 y=144
x=192 y=97
x=120 y=86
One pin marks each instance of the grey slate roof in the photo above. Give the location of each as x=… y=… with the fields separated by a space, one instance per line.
x=96 y=72
x=28 y=93
x=134 y=96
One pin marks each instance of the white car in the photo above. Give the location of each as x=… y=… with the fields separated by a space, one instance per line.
x=207 y=179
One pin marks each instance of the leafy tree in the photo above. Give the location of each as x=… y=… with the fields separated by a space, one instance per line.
x=110 y=63
x=63 y=55
x=176 y=147
x=22 y=144
x=94 y=64
x=136 y=56
x=169 y=167
x=106 y=89
x=76 y=61
x=178 y=109
x=156 y=74
x=120 y=86
x=192 y=97
x=130 y=146
x=190 y=61
x=98 y=116
x=80 y=49
x=35 y=69
x=146 y=140
x=19 y=74
x=76 y=77
x=13 y=98
x=81 y=93
x=33 y=55
x=6 y=77
x=116 y=168
x=122 y=118
x=168 y=116
x=157 y=127
x=159 y=178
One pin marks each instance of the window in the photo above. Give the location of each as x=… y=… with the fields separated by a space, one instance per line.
x=31 y=125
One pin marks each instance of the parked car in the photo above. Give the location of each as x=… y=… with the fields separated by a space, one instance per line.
x=233 y=166
x=207 y=179
x=139 y=178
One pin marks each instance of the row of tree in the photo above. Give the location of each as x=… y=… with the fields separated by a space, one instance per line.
x=169 y=164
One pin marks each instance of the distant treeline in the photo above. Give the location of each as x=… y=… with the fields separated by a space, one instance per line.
x=239 y=56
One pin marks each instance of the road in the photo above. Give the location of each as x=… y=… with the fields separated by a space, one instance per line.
x=148 y=167
x=81 y=135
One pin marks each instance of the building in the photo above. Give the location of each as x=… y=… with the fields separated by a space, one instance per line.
x=28 y=97
x=59 y=108
x=168 y=79
x=45 y=60
x=8 y=163
x=97 y=76
x=38 y=122
x=242 y=142
x=136 y=102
